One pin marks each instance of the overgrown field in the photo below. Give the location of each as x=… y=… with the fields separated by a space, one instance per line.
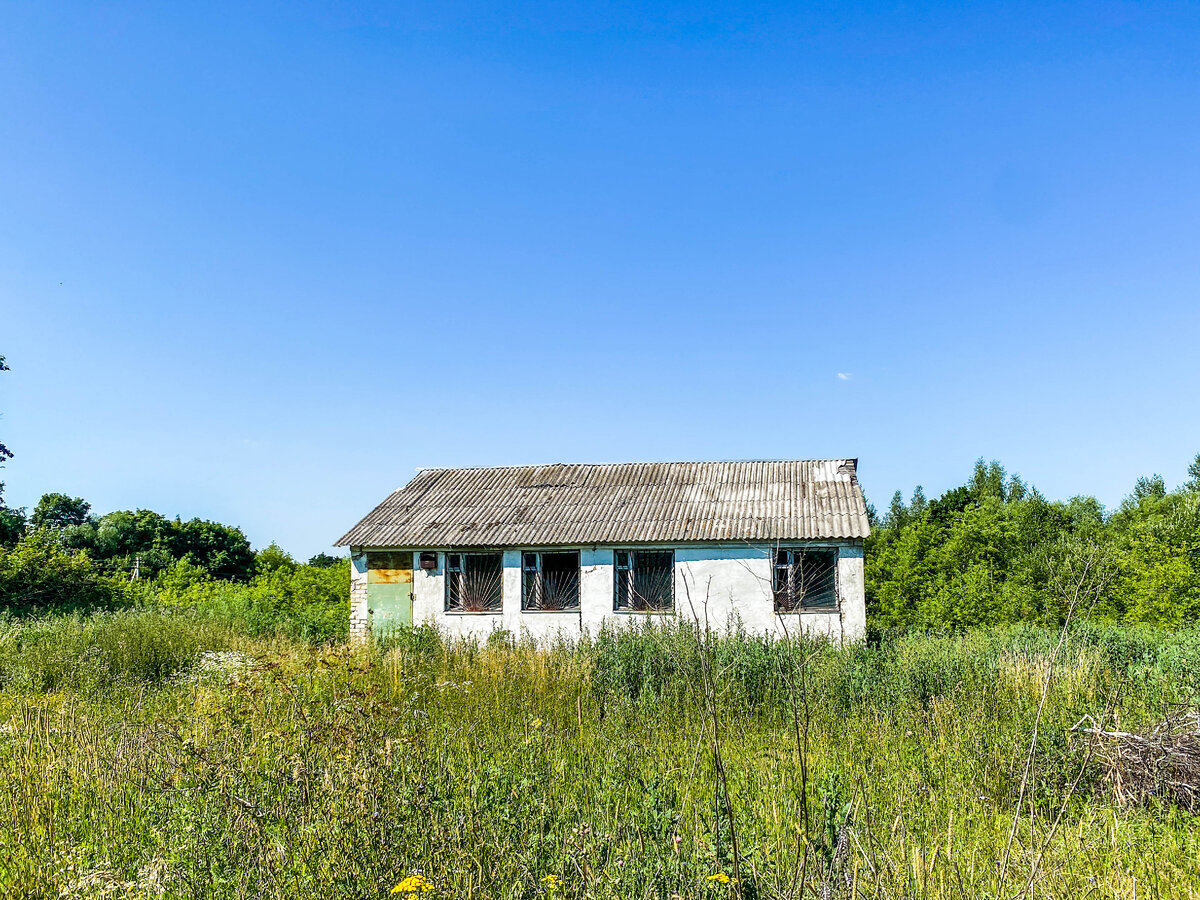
x=147 y=754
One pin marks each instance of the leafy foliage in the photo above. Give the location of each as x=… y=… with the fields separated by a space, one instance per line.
x=221 y=550
x=124 y=540
x=985 y=553
x=40 y=574
x=1157 y=539
x=60 y=511
x=73 y=560
x=304 y=602
x=326 y=561
x=273 y=558
x=12 y=526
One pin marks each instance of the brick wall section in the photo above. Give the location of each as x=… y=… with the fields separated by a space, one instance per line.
x=360 y=620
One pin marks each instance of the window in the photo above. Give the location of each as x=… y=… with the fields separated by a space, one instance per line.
x=645 y=580
x=805 y=580
x=473 y=582
x=550 y=581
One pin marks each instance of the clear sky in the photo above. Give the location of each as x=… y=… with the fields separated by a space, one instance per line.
x=260 y=262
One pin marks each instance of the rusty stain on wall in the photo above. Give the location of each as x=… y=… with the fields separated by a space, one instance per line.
x=389 y=568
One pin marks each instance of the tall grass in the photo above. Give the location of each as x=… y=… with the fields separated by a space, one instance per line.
x=96 y=651
x=201 y=761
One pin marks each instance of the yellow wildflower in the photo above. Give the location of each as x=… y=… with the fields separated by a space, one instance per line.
x=413 y=884
x=536 y=723
x=551 y=882
x=719 y=878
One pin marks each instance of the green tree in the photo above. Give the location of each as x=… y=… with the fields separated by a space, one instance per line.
x=273 y=558
x=153 y=543
x=993 y=550
x=988 y=480
x=978 y=554
x=58 y=511
x=1085 y=513
x=1193 y=470
x=1152 y=488
x=39 y=573
x=1157 y=536
x=12 y=526
x=221 y=550
x=919 y=504
x=128 y=538
x=326 y=561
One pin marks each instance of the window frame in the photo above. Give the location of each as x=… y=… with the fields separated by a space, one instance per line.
x=538 y=573
x=630 y=567
x=461 y=570
x=802 y=608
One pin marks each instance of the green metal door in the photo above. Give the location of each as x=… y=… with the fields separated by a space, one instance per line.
x=389 y=590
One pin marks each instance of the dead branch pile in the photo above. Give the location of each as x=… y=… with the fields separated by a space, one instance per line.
x=1164 y=762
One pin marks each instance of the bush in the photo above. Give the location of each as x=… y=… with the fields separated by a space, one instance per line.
x=304 y=602
x=38 y=574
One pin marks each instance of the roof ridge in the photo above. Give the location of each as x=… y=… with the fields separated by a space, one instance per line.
x=672 y=462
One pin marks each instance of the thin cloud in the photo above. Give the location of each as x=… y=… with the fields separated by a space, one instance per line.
x=844 y=376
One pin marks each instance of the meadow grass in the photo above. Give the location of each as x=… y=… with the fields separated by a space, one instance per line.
x=146 y=754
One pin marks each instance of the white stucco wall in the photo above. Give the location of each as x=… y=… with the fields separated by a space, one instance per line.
x=721 y=584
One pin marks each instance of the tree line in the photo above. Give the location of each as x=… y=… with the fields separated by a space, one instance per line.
x=63 y=556
x=989 y=551
x=144 y=543
x=994 y=550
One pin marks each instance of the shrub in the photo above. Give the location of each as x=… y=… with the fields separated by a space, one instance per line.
x=38 y=573
x=304 y=602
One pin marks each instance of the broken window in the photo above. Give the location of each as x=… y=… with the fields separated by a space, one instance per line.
x=550 y=580
x=805 y=580
x=474 y=582
x=645 y=580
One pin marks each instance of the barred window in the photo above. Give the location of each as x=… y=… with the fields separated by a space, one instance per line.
x=550 y=581
x=644 y=580
x=805 y=580
x=474 y=582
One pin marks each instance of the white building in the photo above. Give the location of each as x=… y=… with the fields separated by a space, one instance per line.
x=776 y=546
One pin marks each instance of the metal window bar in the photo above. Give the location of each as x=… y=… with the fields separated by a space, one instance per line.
x=644 y=580
x=805 y=580
x=550 y=581
x=474 y=582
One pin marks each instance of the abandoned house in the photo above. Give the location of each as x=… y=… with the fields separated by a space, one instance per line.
x=775 y=546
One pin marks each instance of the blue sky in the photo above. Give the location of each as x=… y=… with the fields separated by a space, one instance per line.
x=259 y=262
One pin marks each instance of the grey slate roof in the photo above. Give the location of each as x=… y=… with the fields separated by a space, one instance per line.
x=626 y=503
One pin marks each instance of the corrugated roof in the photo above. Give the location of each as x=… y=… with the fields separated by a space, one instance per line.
x=573 y=504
